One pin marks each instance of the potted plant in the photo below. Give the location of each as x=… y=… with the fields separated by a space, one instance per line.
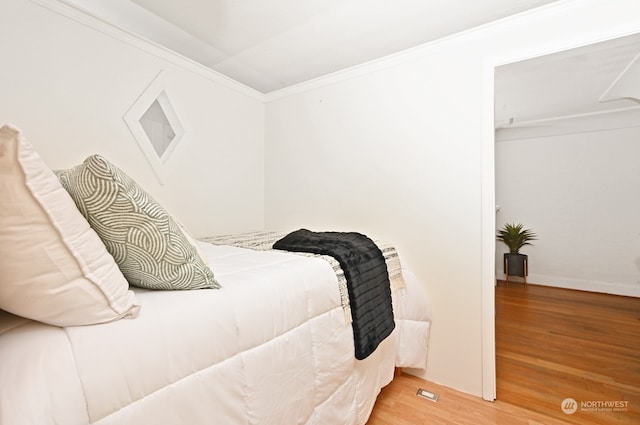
x=515 y=236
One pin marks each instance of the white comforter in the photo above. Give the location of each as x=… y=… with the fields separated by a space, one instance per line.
x=271 y=347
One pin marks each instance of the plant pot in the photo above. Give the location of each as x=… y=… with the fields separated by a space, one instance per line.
x=516 y=265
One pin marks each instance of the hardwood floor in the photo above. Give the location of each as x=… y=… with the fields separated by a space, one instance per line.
x=398 y=404
x=551 y=344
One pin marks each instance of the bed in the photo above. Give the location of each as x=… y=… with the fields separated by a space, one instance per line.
x=269 y=342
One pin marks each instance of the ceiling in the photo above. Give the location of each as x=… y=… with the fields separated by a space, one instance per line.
x=568 y=83
x=272 y=44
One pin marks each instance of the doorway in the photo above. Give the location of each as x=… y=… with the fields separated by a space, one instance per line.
x=550 y=123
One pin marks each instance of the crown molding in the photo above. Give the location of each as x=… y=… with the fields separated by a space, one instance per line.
x=85 y=17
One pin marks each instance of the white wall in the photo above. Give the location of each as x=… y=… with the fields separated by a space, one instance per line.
x=68 y=86
x=402 y=149
x=579 y=192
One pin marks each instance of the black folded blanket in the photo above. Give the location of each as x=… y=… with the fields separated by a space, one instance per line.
x=367 y=279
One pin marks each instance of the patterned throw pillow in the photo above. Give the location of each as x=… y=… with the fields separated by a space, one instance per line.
x=148 y=245
x=53 y=266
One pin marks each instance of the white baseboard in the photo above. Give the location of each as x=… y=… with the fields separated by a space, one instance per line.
x=615 y=288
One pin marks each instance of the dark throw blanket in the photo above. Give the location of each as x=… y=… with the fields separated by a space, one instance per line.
x=367 y=281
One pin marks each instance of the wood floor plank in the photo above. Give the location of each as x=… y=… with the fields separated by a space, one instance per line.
x=551 y=344
x=398 y=404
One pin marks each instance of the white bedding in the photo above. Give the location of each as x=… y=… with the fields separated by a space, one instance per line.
x=270 y=347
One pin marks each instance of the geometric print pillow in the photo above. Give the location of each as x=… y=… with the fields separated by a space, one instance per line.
x=144 y=239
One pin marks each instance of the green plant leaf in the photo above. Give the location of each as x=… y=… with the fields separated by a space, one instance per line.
x=515 y=236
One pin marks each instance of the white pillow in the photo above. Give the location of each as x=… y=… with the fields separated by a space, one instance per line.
x=53 y=267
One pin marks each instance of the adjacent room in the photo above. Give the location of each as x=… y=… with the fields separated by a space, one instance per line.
x=565 y=166
x=221 y=132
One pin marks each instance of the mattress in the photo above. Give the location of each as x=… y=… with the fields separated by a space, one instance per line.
x=271 y=347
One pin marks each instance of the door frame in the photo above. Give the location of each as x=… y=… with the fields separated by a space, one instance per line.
x=488 y=188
